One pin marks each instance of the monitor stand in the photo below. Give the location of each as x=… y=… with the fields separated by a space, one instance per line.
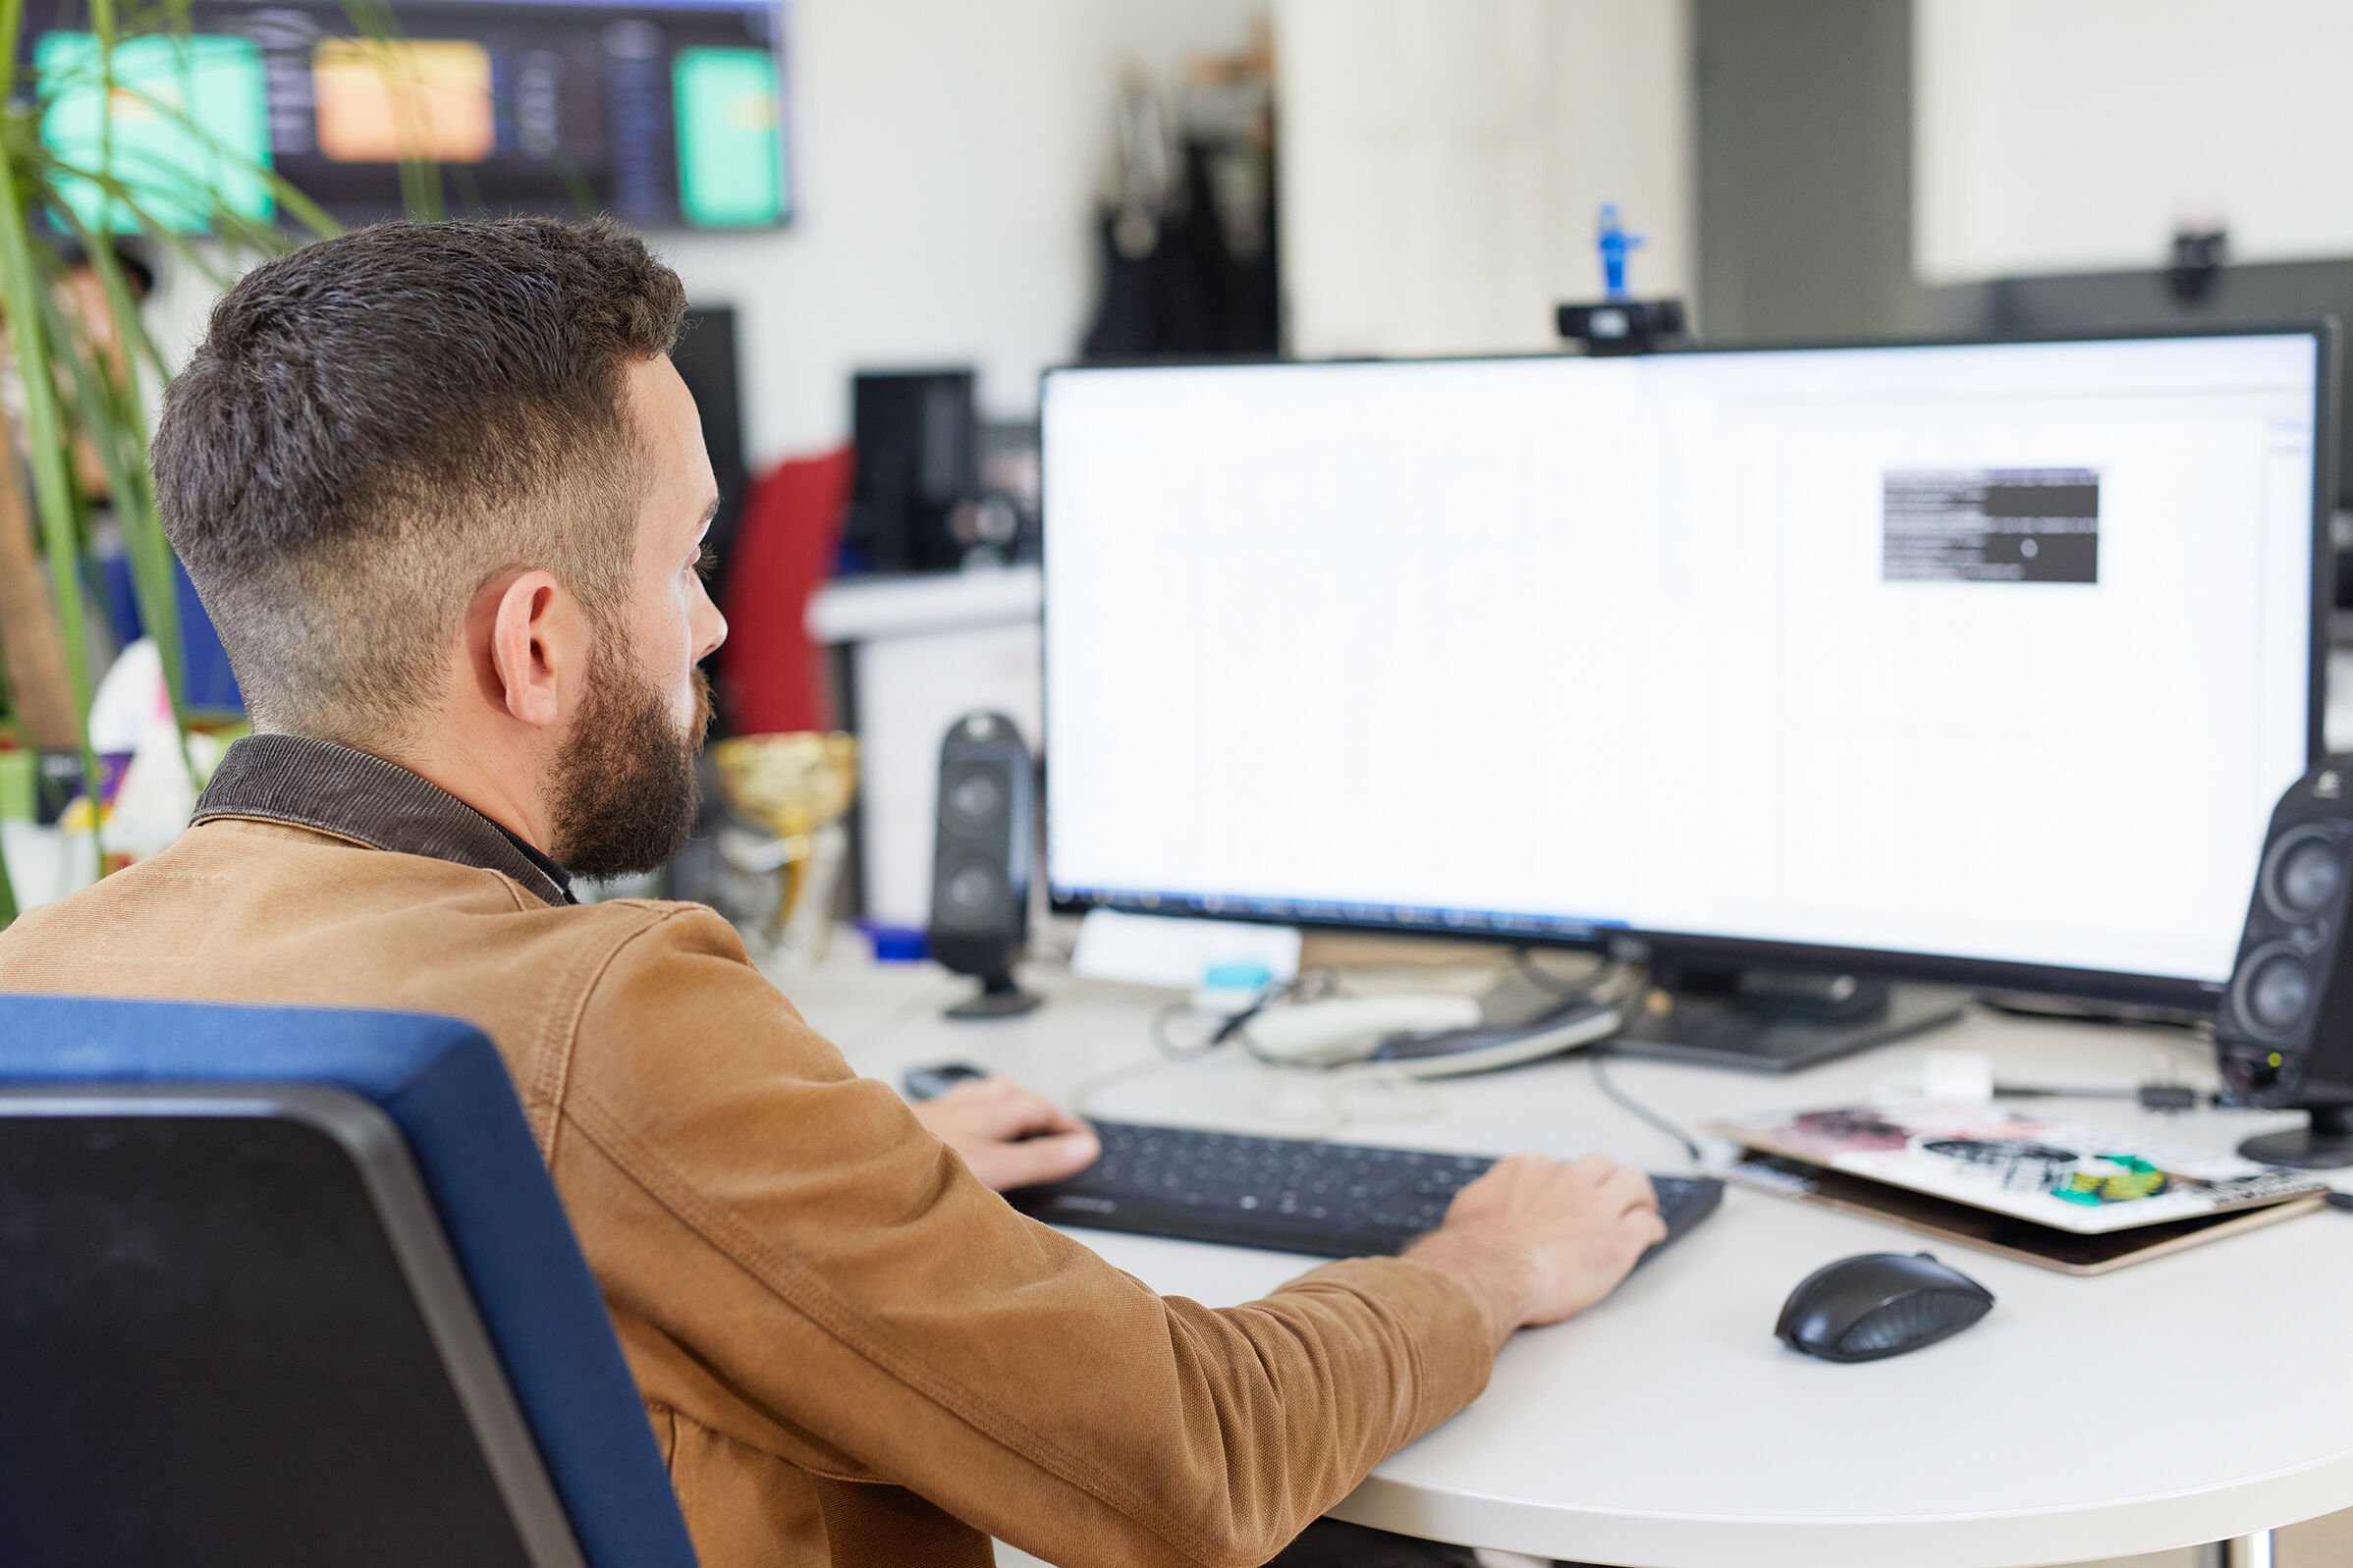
x=1773 y=1020
x=2324 y=1145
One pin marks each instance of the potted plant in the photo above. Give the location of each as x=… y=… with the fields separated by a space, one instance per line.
x=106 y=134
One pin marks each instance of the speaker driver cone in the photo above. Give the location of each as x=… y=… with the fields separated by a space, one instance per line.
x=971 y=894
x=2304 y=873
x=975 y=799
x=2273 y=990
x=2310 y=877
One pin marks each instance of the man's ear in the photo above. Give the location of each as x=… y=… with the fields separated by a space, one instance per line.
x=535 y=650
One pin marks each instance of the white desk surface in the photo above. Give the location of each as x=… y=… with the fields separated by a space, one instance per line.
x=2192 y=1398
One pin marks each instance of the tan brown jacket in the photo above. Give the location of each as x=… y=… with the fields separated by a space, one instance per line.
x=851 y=1351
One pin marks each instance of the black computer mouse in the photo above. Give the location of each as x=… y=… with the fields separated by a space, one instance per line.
x=1880 y=1303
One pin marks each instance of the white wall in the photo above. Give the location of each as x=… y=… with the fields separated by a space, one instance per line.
x=948 y=156
x=1442 y=161
x=2056 y=135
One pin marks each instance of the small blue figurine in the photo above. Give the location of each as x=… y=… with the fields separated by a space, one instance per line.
x=1614 y=243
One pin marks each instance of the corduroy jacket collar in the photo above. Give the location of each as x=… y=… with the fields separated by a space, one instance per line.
x=331 y=789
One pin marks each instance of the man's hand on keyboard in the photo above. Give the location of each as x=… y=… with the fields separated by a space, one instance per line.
x=1537 y=1241
x=1008 y=1135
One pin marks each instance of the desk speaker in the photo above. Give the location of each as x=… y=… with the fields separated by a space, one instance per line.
x=980 y=861
x=2284 y=1031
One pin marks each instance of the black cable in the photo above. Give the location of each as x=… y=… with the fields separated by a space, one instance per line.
x=2073 y=1009
x=1174 y=1050
x=1627 y=1103
x=1525 y=963
x=2151 y=1096
x=1309 y=984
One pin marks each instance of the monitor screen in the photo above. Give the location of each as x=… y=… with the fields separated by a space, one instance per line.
x=663 y=112
x=1976 y=661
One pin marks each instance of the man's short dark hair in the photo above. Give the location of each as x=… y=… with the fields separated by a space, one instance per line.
x=378 y=423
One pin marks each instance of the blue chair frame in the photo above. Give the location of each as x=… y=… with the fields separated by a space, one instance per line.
x=443 y=1086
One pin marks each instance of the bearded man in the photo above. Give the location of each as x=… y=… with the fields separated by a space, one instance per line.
x=444 y=496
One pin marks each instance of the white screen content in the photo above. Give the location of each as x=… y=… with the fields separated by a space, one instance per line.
x=1985 y=652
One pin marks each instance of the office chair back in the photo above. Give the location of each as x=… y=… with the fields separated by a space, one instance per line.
x=292 y=1285
x=771 y=675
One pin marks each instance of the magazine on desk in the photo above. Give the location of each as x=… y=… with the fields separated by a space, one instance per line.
x=2068 y=1176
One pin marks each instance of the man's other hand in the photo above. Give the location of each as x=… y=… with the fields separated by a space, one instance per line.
x=1537 y=1241
x=1010 y=1136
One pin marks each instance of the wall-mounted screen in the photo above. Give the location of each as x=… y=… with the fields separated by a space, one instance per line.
x=666 y=112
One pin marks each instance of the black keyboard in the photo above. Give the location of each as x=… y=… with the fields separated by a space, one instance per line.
x=1330 y=1200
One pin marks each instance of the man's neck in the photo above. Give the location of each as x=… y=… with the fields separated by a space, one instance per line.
x=487 y=771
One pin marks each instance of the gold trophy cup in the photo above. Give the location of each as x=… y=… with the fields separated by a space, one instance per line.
x=796 y=787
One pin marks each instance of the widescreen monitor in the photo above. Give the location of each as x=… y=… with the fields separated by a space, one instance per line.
x=665 y=113
x=1978 y=662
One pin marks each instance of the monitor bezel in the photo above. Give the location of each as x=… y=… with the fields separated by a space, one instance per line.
x=1700 y=950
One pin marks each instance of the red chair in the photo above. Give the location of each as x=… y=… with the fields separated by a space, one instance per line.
x=771 y=676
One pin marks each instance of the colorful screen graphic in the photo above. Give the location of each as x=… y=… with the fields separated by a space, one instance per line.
x=662 y=112
x=728 y=155
x=185 y=116
x=380 y=101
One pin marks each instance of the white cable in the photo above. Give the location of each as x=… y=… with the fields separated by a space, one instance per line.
x=1083 y=1097
x=1341 y=1095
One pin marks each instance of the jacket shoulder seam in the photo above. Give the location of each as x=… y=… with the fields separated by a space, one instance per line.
x=517 y=892
x=559 y=1036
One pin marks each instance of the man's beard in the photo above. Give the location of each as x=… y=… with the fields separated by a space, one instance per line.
x=624 y=793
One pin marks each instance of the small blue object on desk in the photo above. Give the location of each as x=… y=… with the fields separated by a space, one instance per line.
x=895 y=943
